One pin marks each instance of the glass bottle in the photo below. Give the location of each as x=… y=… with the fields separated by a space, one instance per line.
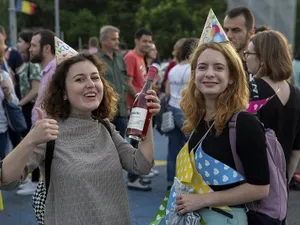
x=140 y=116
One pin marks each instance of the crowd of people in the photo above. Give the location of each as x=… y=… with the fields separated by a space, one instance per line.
x=83 y=101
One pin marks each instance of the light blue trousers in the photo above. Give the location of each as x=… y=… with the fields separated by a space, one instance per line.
x=214 y=218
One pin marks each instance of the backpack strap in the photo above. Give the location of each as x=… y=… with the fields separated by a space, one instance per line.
x=107 y=126
x=232 y=139
x=48 y=161
x=49 y=155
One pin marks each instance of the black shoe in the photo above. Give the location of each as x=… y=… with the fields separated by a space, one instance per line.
x=294 y=184
x=138 y=185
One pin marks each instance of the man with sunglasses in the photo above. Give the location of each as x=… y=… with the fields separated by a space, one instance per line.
x=239 y=28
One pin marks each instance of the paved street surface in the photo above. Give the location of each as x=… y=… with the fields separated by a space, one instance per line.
x=143 y=205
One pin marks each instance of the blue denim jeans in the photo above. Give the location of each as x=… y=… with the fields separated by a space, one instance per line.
x=5 y=144
x=121 y=124
x=177 y=139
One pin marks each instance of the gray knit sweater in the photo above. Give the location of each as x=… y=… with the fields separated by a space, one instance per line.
x=87 y=186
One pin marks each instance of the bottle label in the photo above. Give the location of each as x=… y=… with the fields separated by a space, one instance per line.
x=137 y=118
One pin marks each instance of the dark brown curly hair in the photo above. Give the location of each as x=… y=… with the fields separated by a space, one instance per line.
x=58 y=108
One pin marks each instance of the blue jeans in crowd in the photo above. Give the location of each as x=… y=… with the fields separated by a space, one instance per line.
x=121 y=124
x=177 y=139
x=5 y=144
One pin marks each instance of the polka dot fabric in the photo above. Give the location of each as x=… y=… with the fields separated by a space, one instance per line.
x=187 y=173
x=184 y=171
x=213 y=171
x=254 y=106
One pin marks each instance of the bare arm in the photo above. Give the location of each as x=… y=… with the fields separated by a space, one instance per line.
x=11 y=170
x=168 y=88
x=138 y=161
x=239 y=195
x=8 y=88
x=32 y=93
x=131 y=89
x=15 y=162
x=235 y=196
x=294 y=160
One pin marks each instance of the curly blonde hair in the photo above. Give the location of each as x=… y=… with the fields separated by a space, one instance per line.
x=55 y=105
x=234 y=99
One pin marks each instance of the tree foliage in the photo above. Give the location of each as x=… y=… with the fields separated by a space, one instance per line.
x=169 y=20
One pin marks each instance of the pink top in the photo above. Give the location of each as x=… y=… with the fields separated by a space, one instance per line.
x=46 y=76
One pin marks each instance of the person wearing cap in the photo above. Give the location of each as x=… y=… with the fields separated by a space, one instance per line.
x=86 y=183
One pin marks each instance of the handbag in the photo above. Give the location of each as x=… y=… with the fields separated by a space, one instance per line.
x=168 y=123
x=15 y=117
x=40 y=195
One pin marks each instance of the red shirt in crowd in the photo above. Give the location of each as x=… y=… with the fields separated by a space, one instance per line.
x=136 y=69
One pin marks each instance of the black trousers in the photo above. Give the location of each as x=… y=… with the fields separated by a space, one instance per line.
x=131 y=176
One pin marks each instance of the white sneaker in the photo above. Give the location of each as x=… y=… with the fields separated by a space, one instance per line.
x=156 y=172
x=138 y=185
x=149 y=175
x=28 y=188
x=24 y=182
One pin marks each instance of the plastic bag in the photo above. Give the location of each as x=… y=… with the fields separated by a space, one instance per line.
x=191 y=218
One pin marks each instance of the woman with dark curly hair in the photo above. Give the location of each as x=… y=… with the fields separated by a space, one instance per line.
x=86 y=185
